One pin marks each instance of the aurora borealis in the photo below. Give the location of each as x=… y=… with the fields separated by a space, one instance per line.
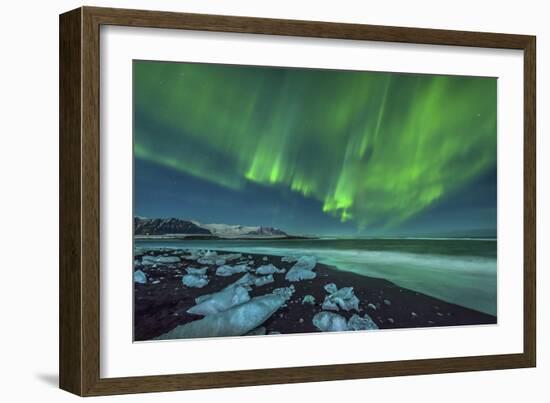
x=315 y=150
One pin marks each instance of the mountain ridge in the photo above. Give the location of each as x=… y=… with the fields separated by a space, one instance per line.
x=179 y=227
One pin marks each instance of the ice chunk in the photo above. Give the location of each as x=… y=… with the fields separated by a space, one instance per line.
x=194 y=255
x=230 y=296
x=150 y=260
x=219 y=261
x=140 y=277
x=289 y=259
x=344 y=298
x=207 y=260
x=194 y=280
x=231 y=256
x=309 y=299
x=192 y=270
x=265 y=259
x=227 y=270
x=263 y=280
x=269 y=269
x=210 y=253
x=329 y=322
x=302 y=269
x=361 y=323
x=330 y=288
x=236 y=321
x=286 y=292
x=247 y=280
x=259 y=331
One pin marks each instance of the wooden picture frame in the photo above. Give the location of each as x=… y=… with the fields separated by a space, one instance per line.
x=80 y=199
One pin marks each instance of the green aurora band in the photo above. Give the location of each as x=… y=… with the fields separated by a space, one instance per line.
x=375 y=148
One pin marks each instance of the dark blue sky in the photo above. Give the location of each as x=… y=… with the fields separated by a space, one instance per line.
x=164 y=192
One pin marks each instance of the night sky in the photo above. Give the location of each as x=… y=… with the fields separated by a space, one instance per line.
x=317 y=152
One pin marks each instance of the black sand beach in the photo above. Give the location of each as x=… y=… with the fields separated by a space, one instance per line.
x=161 y=304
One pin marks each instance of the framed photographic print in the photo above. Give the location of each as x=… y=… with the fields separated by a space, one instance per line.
x=250 y=201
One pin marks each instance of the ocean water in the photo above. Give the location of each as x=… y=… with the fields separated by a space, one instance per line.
x=459 y=271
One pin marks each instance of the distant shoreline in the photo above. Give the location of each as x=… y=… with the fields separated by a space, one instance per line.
x=209 y=237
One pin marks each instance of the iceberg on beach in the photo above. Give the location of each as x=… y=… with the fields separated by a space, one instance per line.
x=227 y=270
x=150 y=260
x=344 y=298
x=247 y=280
x=330 y=288
x=194 y=280
x=140 y=277
x=236 y=321
x=302 y=269
x=308 y=299
x=193 y=255
x=231 y=256
x=285 y=292
x=221 y=301
x=259 y=331
x=361 y=323
x=263 y=280
x=329 y=322
x=200 y=272
x=269 y=269
x=207 y=260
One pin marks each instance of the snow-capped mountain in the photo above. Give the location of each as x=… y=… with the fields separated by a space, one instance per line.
x=176 y=226
x=234 y=231
x=166 y=226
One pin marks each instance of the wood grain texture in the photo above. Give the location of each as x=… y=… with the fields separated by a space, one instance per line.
x=70 y=270
x=80 y=200
x=530 y=203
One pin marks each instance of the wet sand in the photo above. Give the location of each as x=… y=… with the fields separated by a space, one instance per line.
x=161 y=304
